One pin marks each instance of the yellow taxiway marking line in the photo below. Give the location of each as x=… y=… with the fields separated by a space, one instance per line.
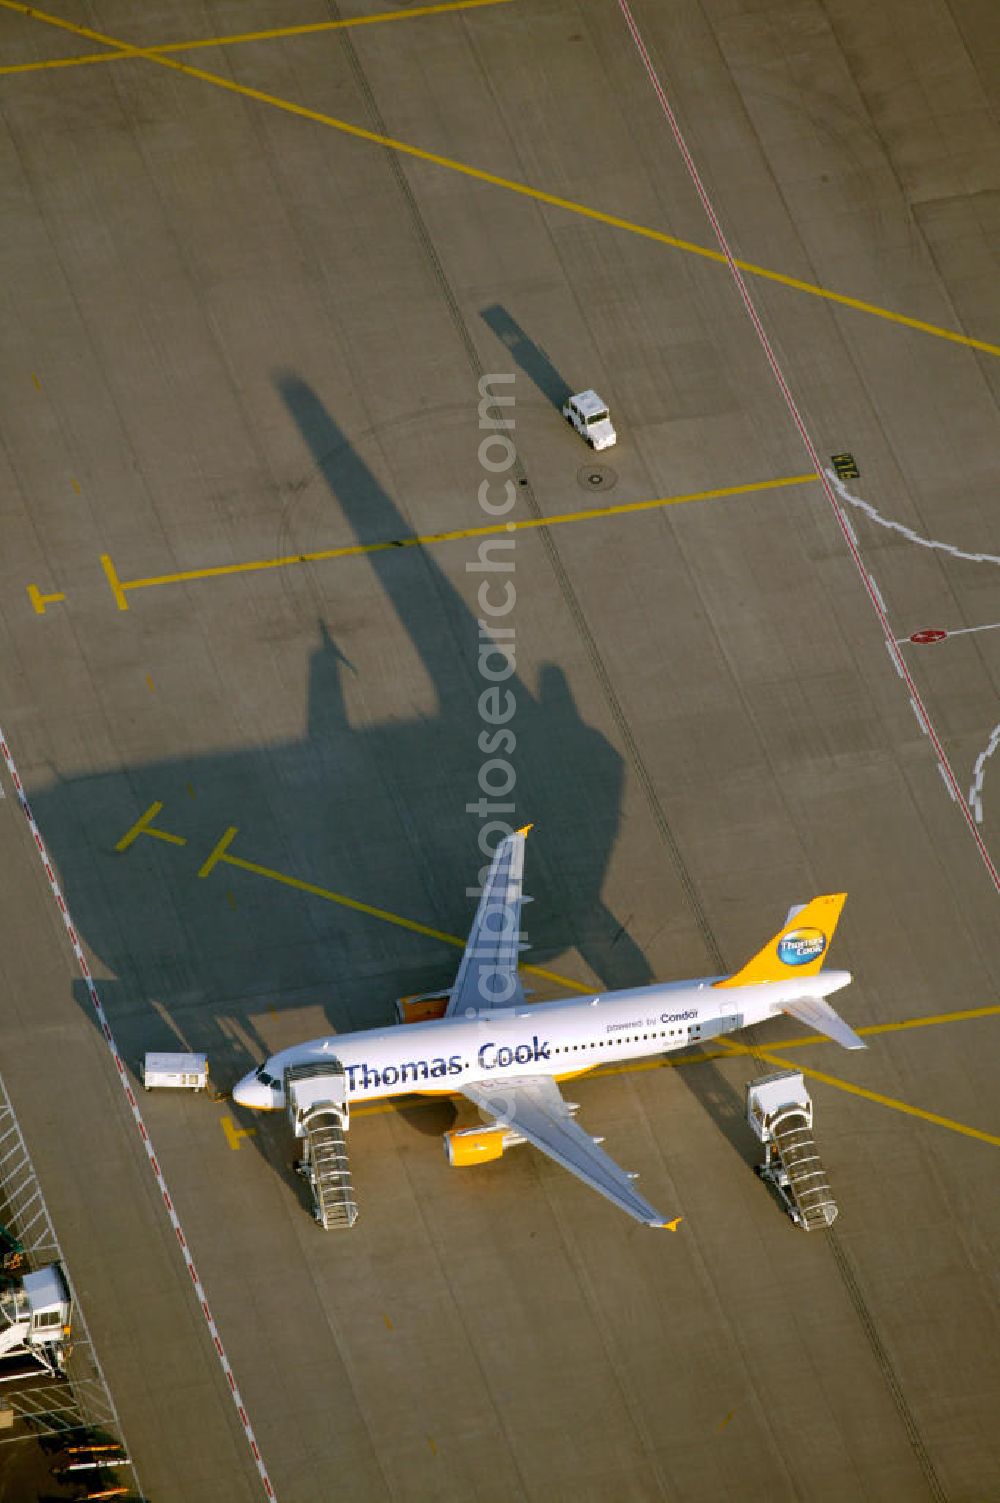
x=40 y=601
x=144 y=826
x=728 y=1049
x=109 y=570
x=234 y=1133
x=904 y=1023
x=221 y=853
x=274 y=34
x=524 y=190
x=121 y=587
x=856 y=1090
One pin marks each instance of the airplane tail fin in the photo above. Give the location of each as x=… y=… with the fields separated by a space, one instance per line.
x=798 y=949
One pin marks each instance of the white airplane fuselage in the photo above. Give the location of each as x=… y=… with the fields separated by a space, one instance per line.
x=561 y=1039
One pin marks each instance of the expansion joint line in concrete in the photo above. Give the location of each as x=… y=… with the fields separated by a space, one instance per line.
x=476 y=174
x=271 y=34
x=141 y=827
x=772 y=1058
x=222 y=855
x=868 y=583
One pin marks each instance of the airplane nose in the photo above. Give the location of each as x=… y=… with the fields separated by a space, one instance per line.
x=252 y=1092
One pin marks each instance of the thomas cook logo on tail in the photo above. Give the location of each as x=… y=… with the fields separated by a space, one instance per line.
x=800 y=946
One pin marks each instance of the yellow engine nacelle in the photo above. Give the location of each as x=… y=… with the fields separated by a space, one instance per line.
x=473 y=1145
x=420 y=1009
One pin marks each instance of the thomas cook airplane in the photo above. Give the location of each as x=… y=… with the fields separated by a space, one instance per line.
x=506 y=1057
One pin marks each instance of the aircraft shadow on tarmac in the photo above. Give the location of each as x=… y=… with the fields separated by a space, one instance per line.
x=376 y=813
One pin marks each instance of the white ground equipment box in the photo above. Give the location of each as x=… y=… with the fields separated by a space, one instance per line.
x=175 y=1072
x=780 y=1111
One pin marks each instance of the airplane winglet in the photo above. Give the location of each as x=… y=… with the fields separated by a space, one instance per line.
x=524 y=829
x=670 y=1226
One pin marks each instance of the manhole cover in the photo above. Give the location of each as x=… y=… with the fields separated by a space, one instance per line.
x=597 y=477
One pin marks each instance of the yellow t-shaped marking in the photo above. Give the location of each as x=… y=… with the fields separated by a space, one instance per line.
x=234 y=1133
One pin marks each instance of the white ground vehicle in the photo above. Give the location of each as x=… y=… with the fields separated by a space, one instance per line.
x=589 y=416
x=36 y=1315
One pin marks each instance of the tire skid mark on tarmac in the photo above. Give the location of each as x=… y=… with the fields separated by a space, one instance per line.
x=906 y=532
x=976 y=791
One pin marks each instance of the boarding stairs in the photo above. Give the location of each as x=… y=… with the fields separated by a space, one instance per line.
x=780 y=1111
x=316 y=1097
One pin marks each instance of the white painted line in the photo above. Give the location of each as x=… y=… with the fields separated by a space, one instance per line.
x=846 y=524
x=98 y=1007
x=976 y=791
x=906 y=532
x=951 y=791
x=826 y=476
x=920 y=718
x=894 y=657
x=964 y=631
x=878 y=593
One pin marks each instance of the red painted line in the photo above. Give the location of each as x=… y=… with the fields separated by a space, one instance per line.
x=109 y=1036
x=804 y=435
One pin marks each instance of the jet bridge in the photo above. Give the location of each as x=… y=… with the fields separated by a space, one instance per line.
x=316 y=1094
x=780 y=1112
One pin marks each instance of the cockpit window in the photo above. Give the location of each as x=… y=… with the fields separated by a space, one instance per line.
x=261 y=1074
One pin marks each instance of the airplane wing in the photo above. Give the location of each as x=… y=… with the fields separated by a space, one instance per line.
x=487 y=977
x=533 y=1106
